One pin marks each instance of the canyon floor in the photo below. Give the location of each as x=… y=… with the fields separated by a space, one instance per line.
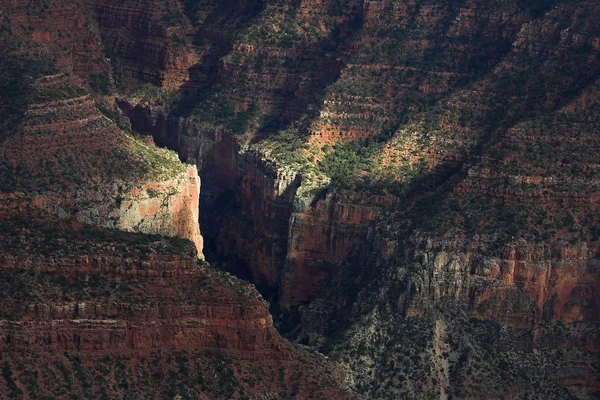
x=300 y=199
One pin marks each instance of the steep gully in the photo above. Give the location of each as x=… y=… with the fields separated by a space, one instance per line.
x=254 y=221
x=256 y=225
x=70 y=291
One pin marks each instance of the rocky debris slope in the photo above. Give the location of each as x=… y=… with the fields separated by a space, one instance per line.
x=90 y=311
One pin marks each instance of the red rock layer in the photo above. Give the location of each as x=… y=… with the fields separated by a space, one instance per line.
x=81 y=297
x=214 y=317
x=60 y=30
x=147 y=39
x=71 y=160
x=321 y=238
x=522 y=286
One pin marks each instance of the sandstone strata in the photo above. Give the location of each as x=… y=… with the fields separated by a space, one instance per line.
x=86 y=301
x=94 y=171
x=399 y=171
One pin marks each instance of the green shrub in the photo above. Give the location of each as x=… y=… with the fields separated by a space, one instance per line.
x=100 y=83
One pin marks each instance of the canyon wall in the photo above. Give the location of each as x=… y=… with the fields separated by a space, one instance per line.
x=117 y=313
x=103 y=290
x=93 y=171
x=215 y=318
x=413 y=182
x=286 y=242
x=147 y=40
x=290 y=239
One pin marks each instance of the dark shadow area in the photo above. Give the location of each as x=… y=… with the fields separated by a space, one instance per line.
x=224 y=11
x=216 y=211
x=210 y=220
x=17 y=76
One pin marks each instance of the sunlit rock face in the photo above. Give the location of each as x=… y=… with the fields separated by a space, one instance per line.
x=80 y=164
x=414 y=184
x=166 y=207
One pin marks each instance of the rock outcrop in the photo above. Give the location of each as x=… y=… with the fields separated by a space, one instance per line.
x=95 y=172
x=144 y=312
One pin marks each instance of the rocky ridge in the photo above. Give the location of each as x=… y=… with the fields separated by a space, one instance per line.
x=109 y=312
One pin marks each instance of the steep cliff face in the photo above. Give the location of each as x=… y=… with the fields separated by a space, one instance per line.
x=285 y=242
x=149 y=40
x=321 y=237
x=261 y=228
x=524 y=285
x=70 y=159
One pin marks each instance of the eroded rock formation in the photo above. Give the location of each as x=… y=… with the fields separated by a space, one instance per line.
x=93 y=171
x=416 y=182
x=420 y=187
x=90 y=309
x=102 y=306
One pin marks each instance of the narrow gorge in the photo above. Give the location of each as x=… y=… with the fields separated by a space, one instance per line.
x=457 y=216
x=301 y=199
